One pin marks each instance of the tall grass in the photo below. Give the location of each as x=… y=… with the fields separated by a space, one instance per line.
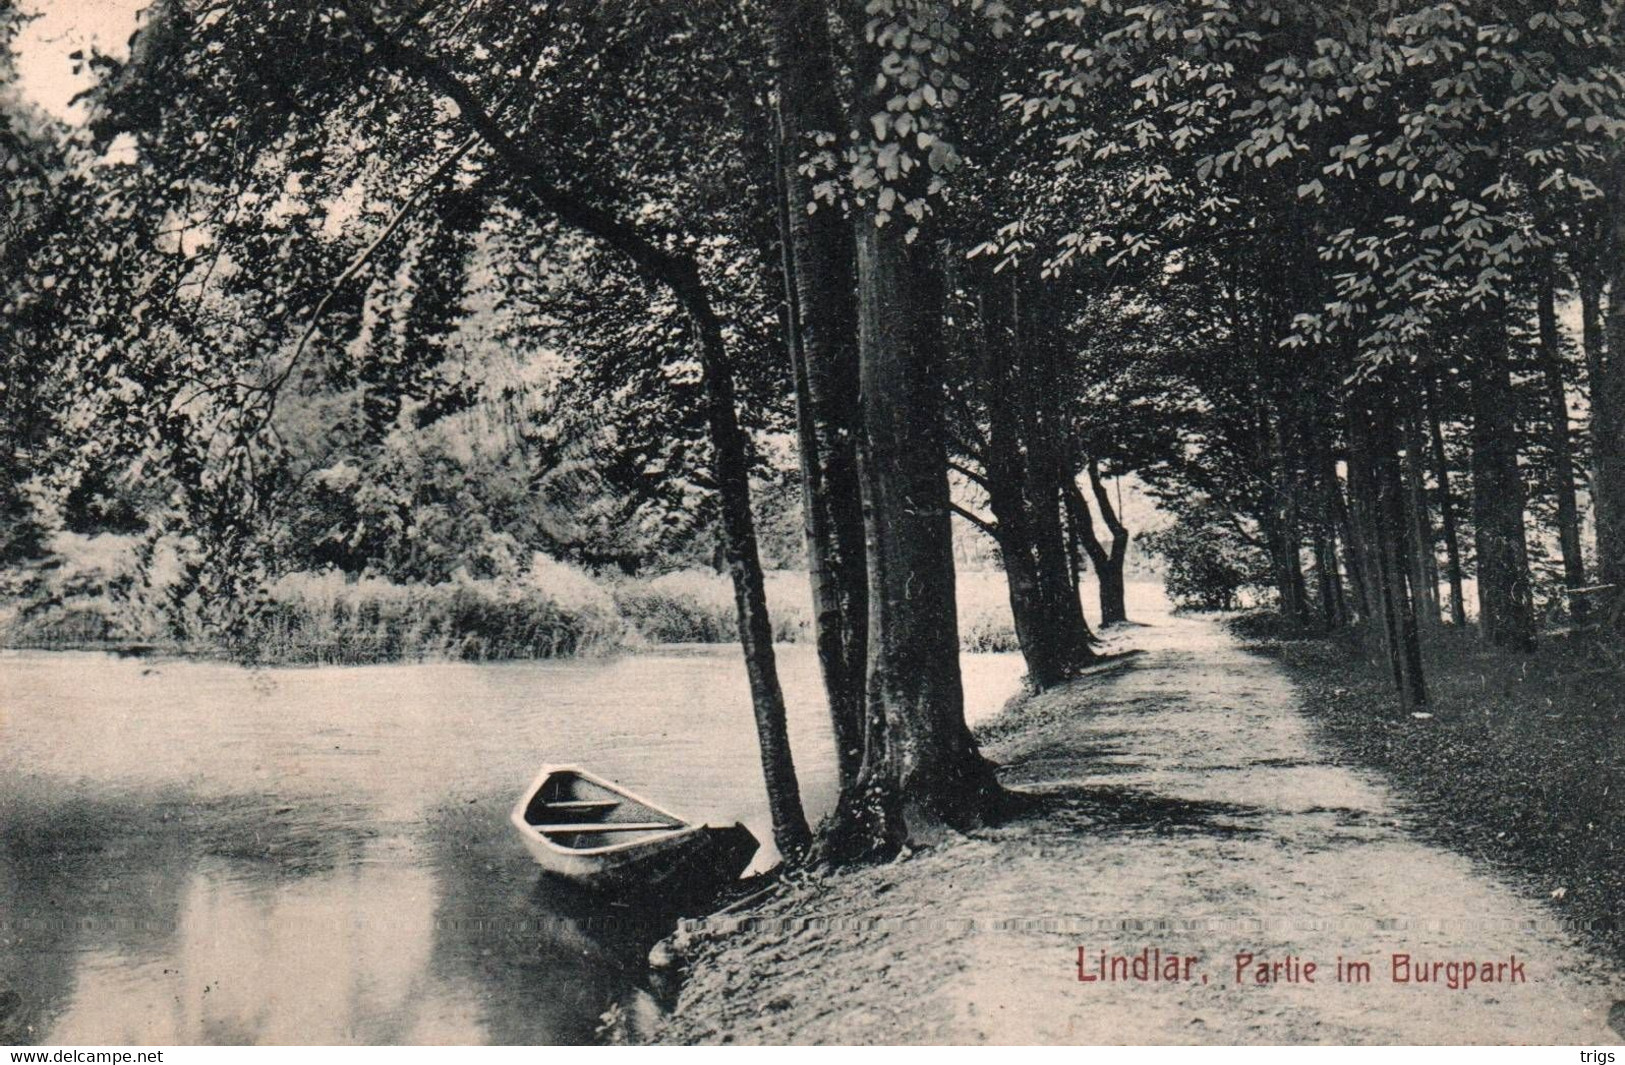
x=554 y=612
x=694 y=606
x=697 y=607
x=94 y=593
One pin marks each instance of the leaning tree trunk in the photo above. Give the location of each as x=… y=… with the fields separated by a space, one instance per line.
x=1447 y=504
x=819 y=276
x=731 y=461
x=1082 y=524
x=1505 y=613
x=1559 y=441
x=921 y=768
x=730 y=453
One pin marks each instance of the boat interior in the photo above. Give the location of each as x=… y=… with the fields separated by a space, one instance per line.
x=577 y=813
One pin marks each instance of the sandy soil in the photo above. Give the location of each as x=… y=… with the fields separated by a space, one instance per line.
x=1187 y=810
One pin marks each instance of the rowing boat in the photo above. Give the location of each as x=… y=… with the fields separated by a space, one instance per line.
x=585 y=829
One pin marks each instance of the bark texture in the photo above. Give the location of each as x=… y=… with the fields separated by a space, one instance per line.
x=1109 y=562
x=921 y=768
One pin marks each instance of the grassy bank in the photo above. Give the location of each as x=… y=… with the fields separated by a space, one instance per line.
x=1518 y=762
x=94 y=593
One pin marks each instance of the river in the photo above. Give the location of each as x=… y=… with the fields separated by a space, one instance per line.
x=195 y=852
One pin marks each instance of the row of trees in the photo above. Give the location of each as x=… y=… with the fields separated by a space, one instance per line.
x=1292 y=263
x=1383 y=209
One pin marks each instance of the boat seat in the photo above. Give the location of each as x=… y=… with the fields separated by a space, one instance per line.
x=606 y=826
x=583 y=804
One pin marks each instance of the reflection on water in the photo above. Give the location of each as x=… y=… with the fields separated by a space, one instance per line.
x=343 y=954
x=196 y=853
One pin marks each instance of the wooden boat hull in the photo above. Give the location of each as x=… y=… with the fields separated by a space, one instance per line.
x=574 y=823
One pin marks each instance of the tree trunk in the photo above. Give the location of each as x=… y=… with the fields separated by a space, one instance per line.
x=1332 y=521
x=1025 y=489
x=921 y=767
x=1282 y=542
x=730 y=456
x=1594 y=336
x=1379 y=496
x=1395 y=540
x=1028 y=613
x=1327 y=583
x=1348 y=531
x=1081 y=525
x=1447 y=506
x=1012 y=531
x=1006 y=493
x=1505 y=616
x=1592 y=329
x=820 y=279
x=1557 y=405
x=1044 y=456
x=1109 y=568
x=1424 y=571
x=1366 y=532
x=1608 y=415
x=1362 y=553
x=1283 y=537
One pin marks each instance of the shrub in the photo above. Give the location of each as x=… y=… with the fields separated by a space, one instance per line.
x=1207 y=563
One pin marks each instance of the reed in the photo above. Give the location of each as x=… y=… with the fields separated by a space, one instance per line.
x=326 y=619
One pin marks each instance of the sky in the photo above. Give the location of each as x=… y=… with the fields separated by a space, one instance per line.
x=44 y=71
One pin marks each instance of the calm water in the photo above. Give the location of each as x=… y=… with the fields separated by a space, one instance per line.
x=194 y=852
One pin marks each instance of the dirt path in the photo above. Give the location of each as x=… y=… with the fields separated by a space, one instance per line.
x=1189 y=811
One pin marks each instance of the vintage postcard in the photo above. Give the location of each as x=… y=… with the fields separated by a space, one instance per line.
x=788 y=522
